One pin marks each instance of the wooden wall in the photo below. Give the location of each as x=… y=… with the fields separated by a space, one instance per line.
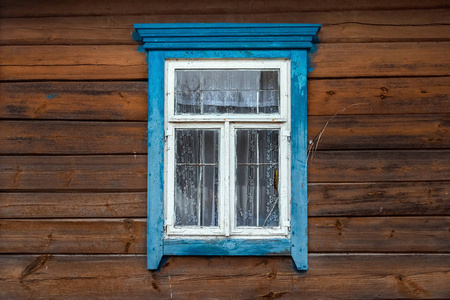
x=73 y=153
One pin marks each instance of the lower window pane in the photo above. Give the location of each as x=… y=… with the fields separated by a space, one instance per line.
x=196 y=177
x=246 y=195
x=256 y=183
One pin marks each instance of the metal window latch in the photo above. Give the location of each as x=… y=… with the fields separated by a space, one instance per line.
x=287 y=134
x=167 y=133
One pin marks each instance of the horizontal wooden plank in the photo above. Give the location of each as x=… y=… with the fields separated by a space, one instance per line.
x=72 y=62
x=344 y=26
x=28 y=8
x=369 y=33
x=342 y=132
x=376 y=166
x=128 y=172
x=380 y=132
x=124 y=62
x=379 y=96
x=128 y=100
x=88 y=100
x=379 y=234
x=106 y=172
x=325 y=234
x=351 y=276
x=74 y=205
x=363 y=199
x=73 y=236
x=378 y=199
x=69 y=137
x=380 y=59
x=329 y=276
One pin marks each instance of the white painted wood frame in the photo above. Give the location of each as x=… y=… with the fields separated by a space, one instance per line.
x=227 y=124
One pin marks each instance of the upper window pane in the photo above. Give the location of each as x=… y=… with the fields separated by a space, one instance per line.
x=218 y=91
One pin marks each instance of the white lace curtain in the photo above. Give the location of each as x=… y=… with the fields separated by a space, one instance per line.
x=227 y=91
x=197 y=177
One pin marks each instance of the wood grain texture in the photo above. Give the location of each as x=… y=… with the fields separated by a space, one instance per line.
x=72 y=62
x=61 y=190
x=28 y=8
x=381 y=132
x=376 y=166
x=73 y=205
x=348 y=199
x=330 y=276
x=342 y=132
x=379 y=199
x=379 y=96
x=380 y=59
x=124 y=62
x=343 y=26
x=73 y=236
x=128 y=172
x=379 y=234
x=105 y=172
x=325 y=234
x=74 y=100
x=127 y=101
x=68 y=137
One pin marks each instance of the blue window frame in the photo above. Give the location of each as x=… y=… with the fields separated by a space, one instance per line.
x=227 y=41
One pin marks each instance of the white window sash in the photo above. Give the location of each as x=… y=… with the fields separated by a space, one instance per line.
x=227 y=124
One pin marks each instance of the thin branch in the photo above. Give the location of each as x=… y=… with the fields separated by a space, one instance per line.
x=314 y=143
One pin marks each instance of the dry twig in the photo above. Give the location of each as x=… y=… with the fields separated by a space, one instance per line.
x=314 y=143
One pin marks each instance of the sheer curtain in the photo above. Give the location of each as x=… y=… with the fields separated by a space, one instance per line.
x=196 y=177
x=257 y=178
x=227 y=91
x=212 y=91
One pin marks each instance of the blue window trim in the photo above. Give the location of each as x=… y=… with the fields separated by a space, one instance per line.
x=230 y=40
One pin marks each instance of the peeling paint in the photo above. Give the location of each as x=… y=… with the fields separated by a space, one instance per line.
x=311 y=53
x=141 y=49
x=51 y=96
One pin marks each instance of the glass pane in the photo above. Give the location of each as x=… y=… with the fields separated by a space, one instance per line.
x=268 y=202
x=187 y=92
x=268 y=102
x=213 y=91
x=246 y=195
x=257 y=155
x=196 y=177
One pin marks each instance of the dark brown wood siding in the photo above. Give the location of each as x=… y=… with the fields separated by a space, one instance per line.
x=73 y=108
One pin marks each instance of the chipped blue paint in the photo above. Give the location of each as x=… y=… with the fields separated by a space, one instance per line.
x=228 y=45
x=155 y=181
x=136 y=36
x=226 y=246
x=141 y=49
x=268 y=31
x=163 y=261
x=187 y=36
x=229 y=54
x=226 y=41
x=311 y=53
x=51 y=96
x=299 y=195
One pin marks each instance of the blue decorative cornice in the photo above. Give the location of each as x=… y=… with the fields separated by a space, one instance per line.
x=225 y=36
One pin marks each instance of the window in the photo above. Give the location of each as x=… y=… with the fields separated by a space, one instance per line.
x=227 y=148
x=227 y=139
